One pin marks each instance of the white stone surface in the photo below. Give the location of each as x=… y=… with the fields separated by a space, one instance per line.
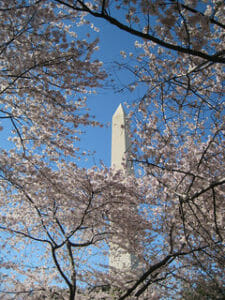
x=119 y=258
x=120 y=141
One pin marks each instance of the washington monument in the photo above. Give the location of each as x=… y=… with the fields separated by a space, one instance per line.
x=120 y=258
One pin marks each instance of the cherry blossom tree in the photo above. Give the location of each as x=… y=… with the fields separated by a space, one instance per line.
x=178 y=125
x=172 y=209
x=46 y=73
x=202 y=290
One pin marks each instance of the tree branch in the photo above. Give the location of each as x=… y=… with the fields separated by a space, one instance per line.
x=216 y=58
x=167 y=260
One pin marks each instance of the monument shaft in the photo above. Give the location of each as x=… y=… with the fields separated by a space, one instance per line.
x=120 y=141
x=120 y=258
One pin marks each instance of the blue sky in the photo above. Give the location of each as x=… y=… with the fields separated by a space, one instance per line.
x=105 y=102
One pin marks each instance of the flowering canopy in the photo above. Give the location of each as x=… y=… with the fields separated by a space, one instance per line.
x=171 y=213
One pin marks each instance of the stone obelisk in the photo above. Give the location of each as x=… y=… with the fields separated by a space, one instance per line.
x=119 y=258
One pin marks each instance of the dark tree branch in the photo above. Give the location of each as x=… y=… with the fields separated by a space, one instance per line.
x=30 y=200
x=215 y=213
x=53 y=251
x=167 y=260
x=146 y=274
x=212 y=20
x=26 y=235
x=216 y=58
x=206 y=189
